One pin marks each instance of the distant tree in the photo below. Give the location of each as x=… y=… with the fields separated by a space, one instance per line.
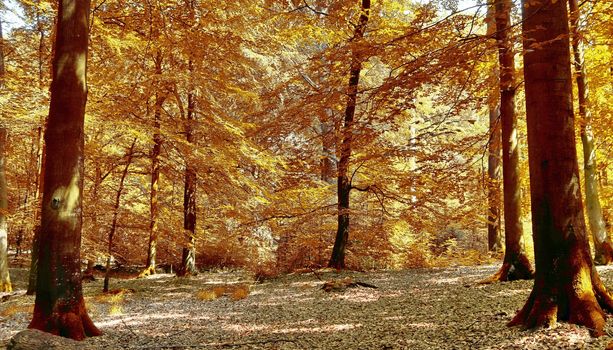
x=344 y=184
x=59 y=307
x=515 y=264
x=5 y=279
x=602 y=242
x=567 y=286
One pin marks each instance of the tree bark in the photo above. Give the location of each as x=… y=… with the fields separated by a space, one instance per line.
x=494 y=194
x=5 y=278
x=494 y=169
x=155 y=175
x=515 y=264
x=567 y=286
x=188 y=258
x=337 y=260
x=124 y=173
x=602 y=242
x=59 y=307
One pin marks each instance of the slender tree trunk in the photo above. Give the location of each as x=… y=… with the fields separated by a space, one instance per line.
x=494 y=194
x=337 y=259
x=602 y=242
x=155 y=175
x=494 y=169
x=567 y=286
x=129 y=156
x=327 y=151
x=188 y=259
x=515 y=264
x=5 y=279
x=59 y=307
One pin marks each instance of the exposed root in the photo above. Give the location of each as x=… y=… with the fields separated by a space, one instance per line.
x=520 y=270
x=542 y=310
x=74 y=324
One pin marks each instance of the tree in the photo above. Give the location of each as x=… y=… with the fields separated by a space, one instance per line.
x=188 y=258
x=515 y=264
x=122 y=179
x=5 y=279
x=59 y=307
x=494 y=194
x=337 y=260
x=602 y=242
x=567 y=286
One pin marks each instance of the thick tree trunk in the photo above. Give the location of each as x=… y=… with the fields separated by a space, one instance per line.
x=337 y=259
x=567 y=286
x=602 y=243
x=188 y=258
x=494 y=194
x=59 y=307
x=5 y=279
x=515 y=264
x=124 y=173
x=155 y=175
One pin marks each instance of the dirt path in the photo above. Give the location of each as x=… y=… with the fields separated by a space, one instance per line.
x=415 y=309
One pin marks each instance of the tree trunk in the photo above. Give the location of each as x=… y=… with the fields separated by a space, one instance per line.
x=155 y=175
x=567 y=286
x=327 y=151
x=37 y=216
x=129 y=156
x=188 y=258
x=59 y=307
x=494 y=169
x=494 y=195
x=5 y=279
x=515 y=264
x=337 y=259
x=602 y=243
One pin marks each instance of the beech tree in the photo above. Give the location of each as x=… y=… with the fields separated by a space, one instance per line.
x=515 y=264
x=602 y=242
x=59 y=307
x=5 y=279
x=567 y=286
x=337 y=260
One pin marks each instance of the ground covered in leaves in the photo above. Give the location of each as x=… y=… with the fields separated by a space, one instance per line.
x=413 y=309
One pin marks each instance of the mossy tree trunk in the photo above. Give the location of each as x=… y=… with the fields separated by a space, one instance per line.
x=602 y=242
x=567 y=286
x=59 y=307
x=337 y=260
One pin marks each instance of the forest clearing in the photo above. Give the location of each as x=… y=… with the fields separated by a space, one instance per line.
x=415 y=309
x=402 y=174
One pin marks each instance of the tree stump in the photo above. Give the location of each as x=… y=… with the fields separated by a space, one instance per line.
x=33 y=339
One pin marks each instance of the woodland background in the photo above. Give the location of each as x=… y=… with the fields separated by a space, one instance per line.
x=260 y=87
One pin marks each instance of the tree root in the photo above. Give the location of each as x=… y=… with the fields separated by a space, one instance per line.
x=74 y=324
x=511 y=272
x=581 y=307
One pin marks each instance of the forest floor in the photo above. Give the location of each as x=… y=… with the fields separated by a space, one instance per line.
x=412 y=309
